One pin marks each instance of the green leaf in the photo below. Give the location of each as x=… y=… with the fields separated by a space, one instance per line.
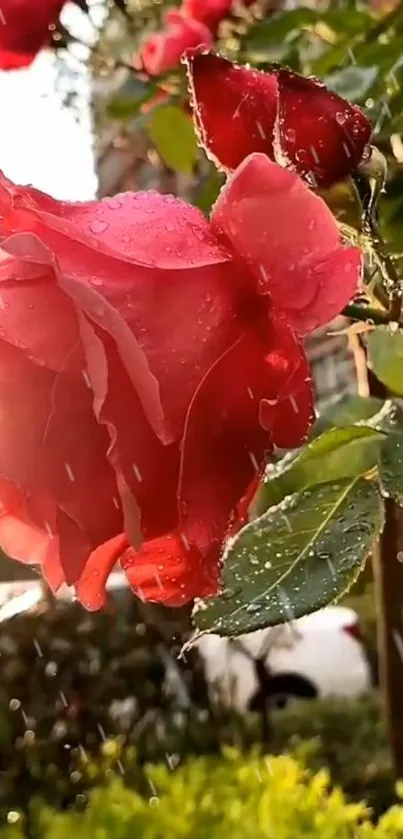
x=123 y=108
x=171 y=131
x=353 y=82
x=128 y=101
x=364 y=50
x=347 y=22
x=385 y=357
x=382 y=415
x=348 y=411
x=391 y=467
x=272 y=40
x=210 y=190
x=338 y=453
x=279 y=25
x=296 y=558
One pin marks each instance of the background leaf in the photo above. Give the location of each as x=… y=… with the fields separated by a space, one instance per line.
x=385 y=357
x=171 y=131
x=353 y=82
x=274 y=38
x=132 y=95
x=348 y=411
x=296 y=558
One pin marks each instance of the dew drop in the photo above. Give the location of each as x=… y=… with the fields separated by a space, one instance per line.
x=114 y=203
x=253 y=608
x=98 y=226
x=340 y=118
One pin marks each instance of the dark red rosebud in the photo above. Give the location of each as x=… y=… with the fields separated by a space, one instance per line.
x=25 y=30
x=296 y=121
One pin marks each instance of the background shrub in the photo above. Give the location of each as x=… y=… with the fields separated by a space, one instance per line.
x=246 y=798
x=71 y=680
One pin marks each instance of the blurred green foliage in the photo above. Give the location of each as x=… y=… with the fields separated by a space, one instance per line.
x=250 y=797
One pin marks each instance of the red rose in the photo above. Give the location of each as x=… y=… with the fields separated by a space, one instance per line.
x=163 y=50
x=24 y=30
x=212 y=12
x=209 y=12
x=295 y=121
x=148 y=365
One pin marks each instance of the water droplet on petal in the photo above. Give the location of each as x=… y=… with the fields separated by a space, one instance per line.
x=341 y=118
x=114 y=203
x=98 y=226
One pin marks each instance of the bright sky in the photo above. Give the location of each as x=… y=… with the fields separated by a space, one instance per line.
x=43 y=142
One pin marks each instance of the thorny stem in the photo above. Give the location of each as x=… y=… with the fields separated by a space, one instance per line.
x=369 y=181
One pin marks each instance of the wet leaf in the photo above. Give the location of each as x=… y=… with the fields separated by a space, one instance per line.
x=296 y=558
x=171 y=131
x=385 y=357
x=353 y=409
x=391 y=467
x=338 y=453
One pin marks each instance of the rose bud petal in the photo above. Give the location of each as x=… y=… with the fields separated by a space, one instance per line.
x=25 y=29
x=268 y=359
x=170 y=572
x=290 y=239
x=296 y=121
x=234 y=101
x=322 y=136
